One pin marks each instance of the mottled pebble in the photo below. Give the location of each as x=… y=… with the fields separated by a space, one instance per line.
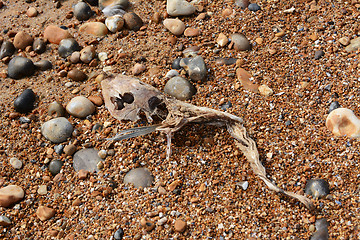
x=317 y=188
x=241 y=43
x=55 y=167
x=318 y=54
x=80 y=107
x=20 y=67
x=180 y=225
x=82 y=11
x=22 y=40
x=87 y=54
x=70 y=149
x=114 y=23
x=67 y=47
x=242 y=3
x=43 y=65
x=7 y=49
x=77 y=75
x=39 y=45
x=175 y=26
x=97 y=100
x=191 y=32
x=344 y=41
x=55 y=34
x=15 y=163
x=139 y=177
x=147 y=224
x=343 y=122
x=10 y=195
x=57 y=130
x=86 y=159
x=180 y=88
x=94 y=28
x=132 y=21
x=113 y=10
x=195 y=67
x=56 y=109
x=4 y=221
x=103 y=56
x=75 y=57
x=45 y=213
x=354 y=45
x=25 y=101
x=59 y=149
x=179 y=8
x=334 y=105
x=244 y=78
x=138 y=68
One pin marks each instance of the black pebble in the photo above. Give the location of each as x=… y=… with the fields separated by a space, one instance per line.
x=55 y=166
x=7 y=49
x=67 y=47
x=25 y=101
x=318 y=54
x=43 y=65
x=119 y=234
x=20 y=67
x=82 y=11
x=334 y=105
x=176 y=64
x=317 y=188
x=39 y=45
x=254 y=7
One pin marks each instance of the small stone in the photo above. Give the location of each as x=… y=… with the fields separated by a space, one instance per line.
x=10 y=195
x=172 y=73
x=113 y=10
x=119 y=234
x=86 y=159
x=124 y=4
x=334 y=105
x=343 y=122
x=82 y=11
x=180 y=88
x=175 y=26
x=322 y=232
x=344 y=41
x=139 y=177
x=56 y=109
x=241 y=43
x=42 y=190
x=43 y=65
x=162 y=190
x=147 y=224
x=138 y=68
x=179 y=8
x=162 y=221
x=70 y=149
x=83 y=174
x=55 y=166
x=67 y=47
x=225 y=61
x=32 y=12
x=195 y=67
x=176 y=64
x=244 y=185
x=4 y=221
x=244 y=78
x=45 y=213
x=312 y=228
x=201 y=16
x=94 y=28
x=24 y=103
x=77 y=75
x=259 y=40
x=39 y=45
x=20 y=67
x=191 y=32
x=242 y=3
x=102 y=56
x=59 y=149
x=98 y=101
x=180 y=225
x=226 y=12
x=354 y=45
x=102 y=154
x=80 y=107
x=75 y=57
x=22 y=40
x=54 y=34
x=317 y=188
x=265 y=90
x=318 y=54
x=87 y=54
x=254 y=7
x=156 y=17
x=222 y=40
x=114 y=23
x=7 y=49
x=57 y=130
x=132 y=21
x=15 y=163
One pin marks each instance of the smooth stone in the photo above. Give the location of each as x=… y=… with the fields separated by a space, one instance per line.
x=222 y=40
x=82 y=11
x=24 y=120
x=7 y=49
x=241 y=43
x=102 y=154
x=254 y=7
x=195 y=67
x=119 y=234
x=180 y=225
x=55 y=34
x=87 y=54
x=242 y=3
x=318 y=54
x=45 y=213
x=55 y=166
x=138 y=68
x=43 y=65
x=343 y=122
x=75 y=57
x=344 y=41
x=225 y=61
x=191 y=51
x=86 y=159
x=94 y=28
x=15 y=163
x=139 y=177
x=176 y=64
x=31 y=12
x=180 y=88
x=175 y=26
x=191 y=32
x=124 y=4
x=179 y=8
x=42 y=190
x=22 y=40
x=147 y=224
x=103 y=56
x=97 y=100
x=317 y=188
x=114 y=23
x=113 y=10
x=56 y=109
x=132 y=21
x=244 y=78
x=25 y=101
x=57 y=130
x=10 y=195
x=59 y=149
x=70 y=149
x=39 y=45
x=4 y=221
x=265 y=90
x=67 y=47
x=80 y=107
x=322 y=232
x=334 y=105
x=354 y=45
x=77 y=75
x=20 y=67
x=172 y=73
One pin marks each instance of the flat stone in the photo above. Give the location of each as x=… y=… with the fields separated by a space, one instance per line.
x=94 y=28
x=254 y=7
x=334 y=105
x=86 y=159
x=20 y=67
x=139 y=177
x=175 y=26
x=24 y=103
x=80 y=107
x=343 y=122
x=57 y=130
x=179 y=8
x=113 y=10
x=172 y=73
x=319 y=54
x=55 y=34
x=45 y=213
x=97 y=100
x=191 y=32
x=180 y=88
x=22 y=40
x=195 y=67
x=242 y=3
x=77 y=75
x=265 y=90
x=10 y=195
x=244 y=78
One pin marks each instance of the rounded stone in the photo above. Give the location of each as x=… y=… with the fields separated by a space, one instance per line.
x=124 y=4
x=94 y=28
x=254 y=7
x=82 y=11
x=195 y=67
x=102 y=154
x=114 y=23
x=119 y=234
x=191 y=32
x=180 y=225
x=57 y=130
x=10 y=195
x=87 y=54
x=222 y=40
x=138 y=68
x=20 y=67
x=39 y=45
x=70 y=149
x=172 y=73
x=139 y=177
x=45 y=213
x=319 y=54
x=67 y=47
x=176 y=64
x=7 y=49
x=22 y=40
x=55 y=34
x=80 y=107
x=15 y=163
x=132 y=21
x=55 y=166
x=75 y=57
x=317 y=188
x=56 y=109
x=103 y=56
x=86 y=159
x=77 y=75
x=97 y=100
x=180 y=88
x=241 y=43
x=343 y=122
x=175 y=26
x=242 y=3
x=179 y=8
x=43 y=65
x=113 y=10
x=25 y=101
x=334 y=105
x=32 y=12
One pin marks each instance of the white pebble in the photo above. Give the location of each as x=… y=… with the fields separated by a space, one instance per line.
x=16 y=163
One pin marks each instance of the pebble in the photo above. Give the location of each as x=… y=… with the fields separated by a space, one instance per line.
x=59 y=149
x=175 y=26
x=334 y=105
x=67 y=47
x=162 y=221
x=225 y=61
x=43 y=65
x=22 y=40
x=102 y=154
x=55 y=167
x=20 y=67
x=138 y=68
x=77 y=75
x=119 y=234
x=244 y=78
x=343 y=122
x=87 y=54
x=86 y=159
x=222 y=40
x=80 y=107
x=75 y=57
x=45 y=213
x=254 y=7
x=82 y=11
x=94 y=28
x=242 y=3
x=113 y=10
x=322 y=232
x=180 y=88
x=139 y=177
x=180 y=225
x=83 y=174
x=55 y=34
x=42 y=190
x=10 y=195
x=114 y=23
x=132 y=21
x=7 y=49
x=244 y=185
x=32 y=12
x=179 y=8
x=57 y=109
x=195 y=67
x=265 y=90
x=318 y=54
x=176 y=64
x=15 y=163
x=317 y=188
x=57 y=130
x=172 y=73
x=25 y=101
x=39 y=45
x=344 y=41
x=147 y=224
x=4 y=221
x=98 y=101
x=241 y=43
x=70 y=149
x=191 y=32
x=124 y=4
x=354 y=45
x=103 y=56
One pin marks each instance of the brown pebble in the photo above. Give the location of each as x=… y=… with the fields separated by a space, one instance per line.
x=77 y=75
x=244 y=77
x=132 y=21
x=180 y=225
x=226 y=12
x=10 y=195
x=32 y=12
x=54 y=34
x=156 y=17
x=76 y=202
x=138 y=68
x=173 y=185
x=147 y=224
x=98 y=101
x=70 y=149
x=172 y=40
x=94 y=28
x=192 y=32
x=22 y=40
x=45 y=213
x=82 y=174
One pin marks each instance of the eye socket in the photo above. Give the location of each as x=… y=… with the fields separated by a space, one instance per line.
x=153 y=102
x=118 y=103
x=128 y=97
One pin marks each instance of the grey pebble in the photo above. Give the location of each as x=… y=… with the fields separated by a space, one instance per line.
x=82 y=11
x=113 y=10
x=172 y=73
x=241 y=43
x=176 y=64
x=242 y=3
x=57 y=130
x=318 y=54
x=317 y=188
x=254 y=7
x=24 y=120
x=80 y=107
x=20 y=67
x=195 y=67
x=7 y=49
x=39 y=45
x=334 y=105
x=123 y=4
x=67 y=47
x=25 y=101
x=57 y=109
x=43 y=65
x=180 y=88
x=59 y=149
x=119 y=234
x=139 y=177
x=86 y=159
x=322 y=232
x=226 y=106
x=55 y=166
